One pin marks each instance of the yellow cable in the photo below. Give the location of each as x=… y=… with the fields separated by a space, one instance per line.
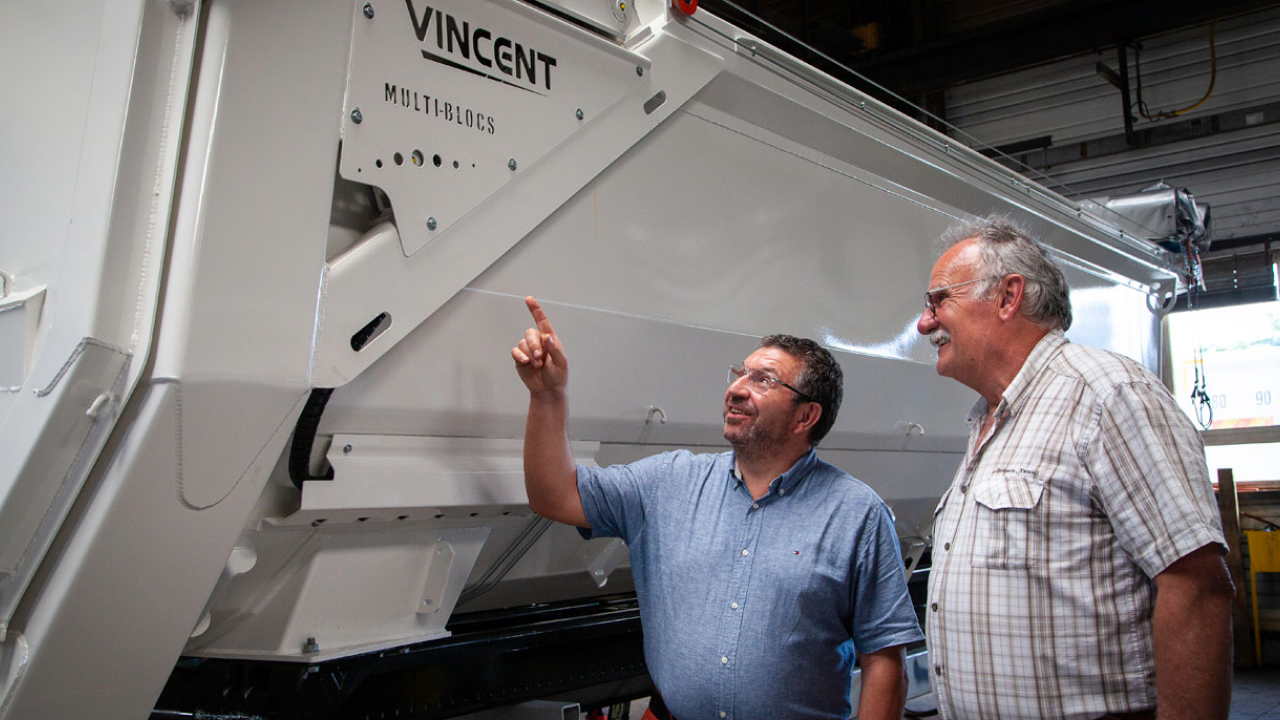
x=1213 y=74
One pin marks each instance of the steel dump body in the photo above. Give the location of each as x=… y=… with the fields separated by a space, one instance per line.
x=228 y=205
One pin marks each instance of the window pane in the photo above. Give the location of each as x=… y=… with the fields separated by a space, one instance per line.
x=1248 y=463
x=1240 y=346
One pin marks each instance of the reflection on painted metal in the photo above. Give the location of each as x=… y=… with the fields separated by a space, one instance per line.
x=906 y=345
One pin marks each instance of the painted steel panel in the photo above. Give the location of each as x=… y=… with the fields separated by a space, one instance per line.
x=91 y=160
x=432 y=112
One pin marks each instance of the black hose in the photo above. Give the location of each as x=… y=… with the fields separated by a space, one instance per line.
x=304 y=437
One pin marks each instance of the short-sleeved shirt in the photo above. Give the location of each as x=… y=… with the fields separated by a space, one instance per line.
x=1089 y=484
x=753 y=608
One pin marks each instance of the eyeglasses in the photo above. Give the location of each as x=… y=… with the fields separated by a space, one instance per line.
x=760 y=381
x=933 y=298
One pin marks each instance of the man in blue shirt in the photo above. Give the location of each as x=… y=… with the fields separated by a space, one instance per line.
x=760 y=572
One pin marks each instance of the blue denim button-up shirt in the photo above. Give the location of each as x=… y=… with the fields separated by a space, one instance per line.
x=753 y=608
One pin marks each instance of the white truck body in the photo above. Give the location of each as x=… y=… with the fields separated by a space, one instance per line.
x=202 y=202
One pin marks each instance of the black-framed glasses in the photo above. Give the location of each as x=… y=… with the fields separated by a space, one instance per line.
x=934 y=297
x=760 y=381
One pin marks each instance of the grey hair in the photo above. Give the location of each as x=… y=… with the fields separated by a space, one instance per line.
x=1007 y=248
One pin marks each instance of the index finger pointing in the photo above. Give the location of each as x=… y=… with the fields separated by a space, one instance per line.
x=539 y=316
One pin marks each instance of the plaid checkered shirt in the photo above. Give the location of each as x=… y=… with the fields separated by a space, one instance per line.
x=1090 y=482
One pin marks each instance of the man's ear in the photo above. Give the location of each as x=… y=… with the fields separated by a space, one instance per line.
x=806 y=420
x=1010 y=292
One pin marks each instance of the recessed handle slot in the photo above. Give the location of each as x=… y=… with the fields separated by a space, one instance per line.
x=366 y=334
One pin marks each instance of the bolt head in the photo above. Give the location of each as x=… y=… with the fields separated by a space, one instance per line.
x=578 y=113
x=512 y=164
x=639 y=71
x=357 y=117
x=346 y=449
x=368 y=11
x=431 y=223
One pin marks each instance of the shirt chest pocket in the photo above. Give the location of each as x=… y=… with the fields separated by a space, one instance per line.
x=1006 y=525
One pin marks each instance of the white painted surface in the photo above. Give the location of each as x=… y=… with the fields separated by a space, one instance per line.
x=753 y=200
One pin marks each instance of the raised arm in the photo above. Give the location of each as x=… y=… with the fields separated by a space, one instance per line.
x=550 y=477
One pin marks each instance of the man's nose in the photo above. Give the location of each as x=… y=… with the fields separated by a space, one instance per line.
x=927 y=323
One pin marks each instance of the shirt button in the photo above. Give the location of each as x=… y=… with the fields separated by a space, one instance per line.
x=746 y=553
x=755 y=506
x=724 y=660
x=781 y=491
x=946 y=546
x=733 y=605
x=724 y=714
x=934 y=607
x=964 y=489
x=937 y=669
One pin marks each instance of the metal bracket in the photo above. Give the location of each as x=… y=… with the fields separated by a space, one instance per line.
x=380 y=273
x=433 y=591
x=19 y=322
x=1160 y=300
x=604 y=558
x=907 y=427
x=912 y=557
x=655 y=410
x=1121 y=81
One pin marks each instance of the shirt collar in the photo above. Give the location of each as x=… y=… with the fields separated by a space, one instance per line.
x=1040 y=355
x=786 y=481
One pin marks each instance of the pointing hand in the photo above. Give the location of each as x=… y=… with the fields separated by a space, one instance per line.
x=540 y=360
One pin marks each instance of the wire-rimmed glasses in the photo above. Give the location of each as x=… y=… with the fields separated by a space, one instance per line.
x=934 y=297
x=760 y=381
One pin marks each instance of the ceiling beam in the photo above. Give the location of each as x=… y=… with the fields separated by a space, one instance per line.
x=1059 y=31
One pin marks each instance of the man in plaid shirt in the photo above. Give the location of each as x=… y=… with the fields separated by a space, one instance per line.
x=1077 y=556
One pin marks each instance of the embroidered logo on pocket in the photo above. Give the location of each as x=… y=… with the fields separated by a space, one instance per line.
x=1031 y=474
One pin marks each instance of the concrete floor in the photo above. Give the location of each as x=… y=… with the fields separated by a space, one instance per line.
x=1255 y=694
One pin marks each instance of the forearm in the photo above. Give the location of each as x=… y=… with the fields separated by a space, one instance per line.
x=884 y=685
x=550 y=475
x=1192 y=628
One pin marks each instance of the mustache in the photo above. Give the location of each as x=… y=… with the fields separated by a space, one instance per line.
x=938 y=337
